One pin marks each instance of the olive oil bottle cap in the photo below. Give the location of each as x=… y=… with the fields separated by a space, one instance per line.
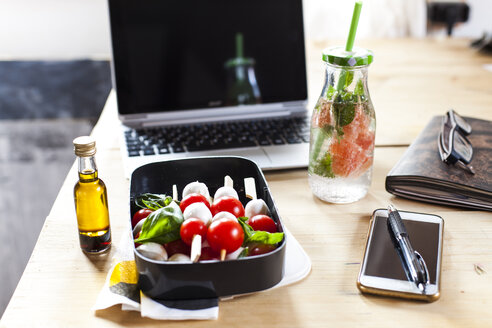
x=84 y=146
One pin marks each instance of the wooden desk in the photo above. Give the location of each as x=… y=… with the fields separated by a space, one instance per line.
x=60 y=284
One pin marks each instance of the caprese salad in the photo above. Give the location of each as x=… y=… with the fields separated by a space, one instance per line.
x=202 y=228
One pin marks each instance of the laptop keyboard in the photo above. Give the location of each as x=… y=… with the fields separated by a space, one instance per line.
x=213 y=136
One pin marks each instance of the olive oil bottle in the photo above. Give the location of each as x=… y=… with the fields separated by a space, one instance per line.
x=91 y=200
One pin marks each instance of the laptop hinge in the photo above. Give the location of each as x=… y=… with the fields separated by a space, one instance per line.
x=213 y=119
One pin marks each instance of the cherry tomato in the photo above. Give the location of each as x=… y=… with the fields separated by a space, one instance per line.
x=136 y=237
x=193 y=198
x=225 y=234
x=177 y=246
x=192 y=227
x=208 y=254
x=140 y=215
x=228 y=204
x=260 y=249
x=262 y=223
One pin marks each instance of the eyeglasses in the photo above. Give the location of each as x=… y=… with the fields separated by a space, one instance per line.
x=454 y=147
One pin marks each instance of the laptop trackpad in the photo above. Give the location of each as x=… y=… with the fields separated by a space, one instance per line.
x=288 y=156
x=255 y=154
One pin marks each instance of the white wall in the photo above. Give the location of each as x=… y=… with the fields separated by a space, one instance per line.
x=54 y=29
x=65 y=29
x=379 y=18
x=480 y=20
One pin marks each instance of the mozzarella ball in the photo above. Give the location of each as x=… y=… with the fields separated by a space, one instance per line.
x=199 y=211
x=234 y=255
x=255 y=207
x=196 y=188
x=226 y=191
x=153 y=251
x=222 y=215
x=138 y=227
x=178 y=257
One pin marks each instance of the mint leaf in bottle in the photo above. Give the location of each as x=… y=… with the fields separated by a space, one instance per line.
x=343 y=110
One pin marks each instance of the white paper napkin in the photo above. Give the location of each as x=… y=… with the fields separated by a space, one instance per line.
x=121 y=284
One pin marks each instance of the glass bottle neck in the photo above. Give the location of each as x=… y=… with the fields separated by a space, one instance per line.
x=87 y=169
x=343 y=82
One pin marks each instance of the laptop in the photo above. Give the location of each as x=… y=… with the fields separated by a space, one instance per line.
x=210 y=78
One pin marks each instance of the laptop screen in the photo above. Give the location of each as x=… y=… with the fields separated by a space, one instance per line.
x=173 y=55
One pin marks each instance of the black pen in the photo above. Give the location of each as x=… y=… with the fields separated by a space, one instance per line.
x=413 y=262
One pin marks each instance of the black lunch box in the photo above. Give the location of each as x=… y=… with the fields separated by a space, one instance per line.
x=178 y=281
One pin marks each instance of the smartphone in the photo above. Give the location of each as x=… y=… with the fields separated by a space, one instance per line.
x=382 y=271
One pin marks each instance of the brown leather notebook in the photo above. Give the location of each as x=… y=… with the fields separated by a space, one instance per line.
x=421 y=175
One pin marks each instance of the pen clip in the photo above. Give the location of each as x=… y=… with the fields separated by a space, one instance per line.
x=424 y=266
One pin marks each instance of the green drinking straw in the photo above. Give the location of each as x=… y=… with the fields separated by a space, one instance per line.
x=350 y=41
x=239 y=45
x=353 y=26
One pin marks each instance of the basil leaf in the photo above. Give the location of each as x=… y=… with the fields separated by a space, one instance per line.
x=244 y=253
x=259 y=237
x=162 y=226
x=264 y=237
x=152 y=201
x=248 y=230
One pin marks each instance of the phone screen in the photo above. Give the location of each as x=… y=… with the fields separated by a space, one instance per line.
x=382 y=258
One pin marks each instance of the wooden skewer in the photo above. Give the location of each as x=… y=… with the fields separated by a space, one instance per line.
x=175 y=193
x=228 y=181
x=223 y=254
x=196 y=248
x=250 y=188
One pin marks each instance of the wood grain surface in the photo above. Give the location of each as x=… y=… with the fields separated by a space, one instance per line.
x=60 y=283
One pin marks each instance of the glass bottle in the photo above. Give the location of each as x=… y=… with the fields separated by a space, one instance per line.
x=241 y=85
x=91 y=200
x=343 y=127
